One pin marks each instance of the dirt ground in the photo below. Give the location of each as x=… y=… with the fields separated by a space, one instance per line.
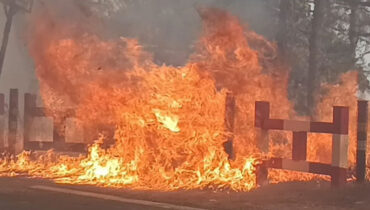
x=17 y=194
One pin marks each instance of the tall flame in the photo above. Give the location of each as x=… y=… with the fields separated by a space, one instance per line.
x=167 y=122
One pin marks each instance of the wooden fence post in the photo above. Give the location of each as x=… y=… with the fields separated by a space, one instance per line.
x=340 y=145
x=338 y=128
x=2 y=122
x=29 y=105
x=230 y=108
x=262 y=114
x=362 y=112
x=13 y=120
x=299 y=146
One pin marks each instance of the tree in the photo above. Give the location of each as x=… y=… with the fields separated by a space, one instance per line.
x=320 y=7
x=11 y=7
x=320 y=40
x=9 y=10
x=292 y=36
x=282 y=34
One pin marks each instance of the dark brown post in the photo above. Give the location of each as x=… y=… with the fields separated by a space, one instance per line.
x=13 y=120
x=2 y=104
x=29 y=105
x=262 y=115
x=230 y=108
x=299 y=146
x=362 y=111
x=2 y=122
x=262 y=174
x=58 y=137
x=340 y=146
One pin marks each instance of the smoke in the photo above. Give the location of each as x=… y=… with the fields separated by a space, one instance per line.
x=167 y=28
x=170 y=28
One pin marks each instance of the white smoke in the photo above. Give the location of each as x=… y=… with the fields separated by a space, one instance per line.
x=107 y=7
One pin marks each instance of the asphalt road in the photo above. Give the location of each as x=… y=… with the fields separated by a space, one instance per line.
x=29 y=194
x=17 y=194
x=40 y=200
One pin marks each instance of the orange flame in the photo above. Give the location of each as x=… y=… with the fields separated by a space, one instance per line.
x=168 y=122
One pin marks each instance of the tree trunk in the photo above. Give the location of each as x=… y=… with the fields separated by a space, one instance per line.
x=283 y=28
x=9 y=11
x=314 y=52
x=354 y=33
x=353 y=28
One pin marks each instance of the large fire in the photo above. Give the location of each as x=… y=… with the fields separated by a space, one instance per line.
x=167 y=122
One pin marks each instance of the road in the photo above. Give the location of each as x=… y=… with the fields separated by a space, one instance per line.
x=32 y=194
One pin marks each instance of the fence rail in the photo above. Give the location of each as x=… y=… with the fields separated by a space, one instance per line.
x=338 y=128
x=32 y=114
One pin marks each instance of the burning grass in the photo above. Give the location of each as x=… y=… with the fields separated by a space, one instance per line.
x=167 y=122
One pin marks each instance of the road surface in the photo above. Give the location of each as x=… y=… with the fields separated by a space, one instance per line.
x=32 y=194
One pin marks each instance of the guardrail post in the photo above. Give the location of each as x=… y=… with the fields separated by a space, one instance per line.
x=338 y=128
x=230 y=108
x=340 y=145
x=299 y=146
x=262 y=114
x=2 y=122
x=13 y=120
x=29 y=104
x=362 y=117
